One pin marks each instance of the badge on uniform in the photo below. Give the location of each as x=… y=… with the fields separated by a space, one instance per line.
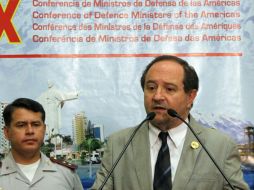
x=194 y=144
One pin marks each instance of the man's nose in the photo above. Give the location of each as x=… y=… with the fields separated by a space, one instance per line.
x=159 y=94
x=29 y=129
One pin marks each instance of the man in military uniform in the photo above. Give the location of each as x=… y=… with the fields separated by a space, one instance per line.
x=25 y=167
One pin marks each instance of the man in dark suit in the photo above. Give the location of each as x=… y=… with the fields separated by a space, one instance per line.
x=170 y=82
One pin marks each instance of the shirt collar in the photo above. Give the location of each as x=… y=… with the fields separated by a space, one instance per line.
x=176 y=134
x=9 y=165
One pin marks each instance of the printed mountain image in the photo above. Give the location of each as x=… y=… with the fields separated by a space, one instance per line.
x=231 y=126
x=241 y=131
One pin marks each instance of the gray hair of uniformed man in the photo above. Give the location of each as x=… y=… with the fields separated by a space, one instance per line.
x=25 y=103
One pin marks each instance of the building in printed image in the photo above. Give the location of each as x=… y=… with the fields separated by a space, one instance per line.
x=247 y=150
x=98 y=132
x=4 y=144
x=79 y=128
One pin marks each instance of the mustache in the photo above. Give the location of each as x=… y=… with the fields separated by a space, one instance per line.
x=161 y=106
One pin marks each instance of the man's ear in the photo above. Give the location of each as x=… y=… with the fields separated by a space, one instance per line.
x=45 y=128
x=191 y=96
x=6 y=132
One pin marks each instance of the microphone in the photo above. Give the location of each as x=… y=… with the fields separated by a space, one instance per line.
x=150 y=116
x=173 y=113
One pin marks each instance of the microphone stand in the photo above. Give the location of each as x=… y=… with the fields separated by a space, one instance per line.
x=149 y=116
x=173 y=113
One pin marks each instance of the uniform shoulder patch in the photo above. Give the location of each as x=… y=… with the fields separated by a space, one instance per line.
x=73 y=167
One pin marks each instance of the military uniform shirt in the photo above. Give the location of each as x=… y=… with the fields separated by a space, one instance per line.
x=48 y=176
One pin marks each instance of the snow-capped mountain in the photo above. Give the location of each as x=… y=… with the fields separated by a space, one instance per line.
x=231 y=126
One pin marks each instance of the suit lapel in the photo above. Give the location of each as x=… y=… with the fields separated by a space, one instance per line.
x=188 y=157
x=141 y=152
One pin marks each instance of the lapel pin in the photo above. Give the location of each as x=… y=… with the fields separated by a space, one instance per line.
x=194 y=144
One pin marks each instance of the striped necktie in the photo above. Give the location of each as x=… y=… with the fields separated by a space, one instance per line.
x=162 y=175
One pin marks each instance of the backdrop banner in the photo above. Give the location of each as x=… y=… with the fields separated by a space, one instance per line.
x=97 y=49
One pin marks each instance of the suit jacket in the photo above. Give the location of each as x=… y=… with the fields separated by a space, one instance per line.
x=195 y=170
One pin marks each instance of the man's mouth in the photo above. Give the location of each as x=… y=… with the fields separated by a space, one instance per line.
x=29 y=140
x=159 y=107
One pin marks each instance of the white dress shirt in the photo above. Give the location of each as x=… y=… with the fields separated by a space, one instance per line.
x=175 y=143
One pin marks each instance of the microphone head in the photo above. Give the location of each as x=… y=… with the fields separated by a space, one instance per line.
x=172 y=113
x=150 y=116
